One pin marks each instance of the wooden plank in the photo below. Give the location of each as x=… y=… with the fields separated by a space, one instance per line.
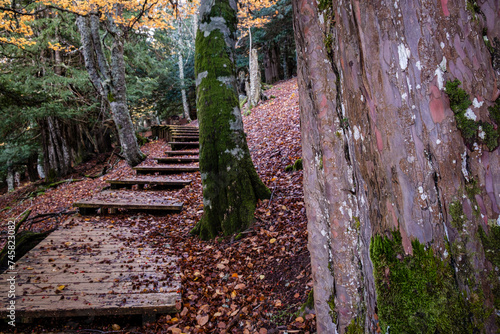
x=172 y=206
x=184 y=139
x=74 y=288
x=174 y=145
x=94 y=305
x=180 y=152
x=165 y=169
x=76 y=277
x=173 y=160
x=154 y=182
x=86 y=267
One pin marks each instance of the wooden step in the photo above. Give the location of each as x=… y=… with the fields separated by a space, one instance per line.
x=165 y=169
x=184 y=138
x=127 y=199
x=179 y=160
x=150 y=182
x=182 y=152
x=91 y=205
x=186 y=144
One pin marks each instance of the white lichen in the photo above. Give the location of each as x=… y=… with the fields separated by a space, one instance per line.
x=356 y=133
x=419 y=66
x=464 y=166
x=470 y=114
x=200 y=77
x=476 y=103
x=404 y=54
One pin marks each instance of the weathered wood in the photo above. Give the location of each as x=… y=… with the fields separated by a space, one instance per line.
x=165 y=169
x=51 y=282
x=186 y=144
x=168 y=153
x=130 y=200
x=176 y=160
x=153 y=182
x=184 y=138
x=94 y=305
x=101 y=204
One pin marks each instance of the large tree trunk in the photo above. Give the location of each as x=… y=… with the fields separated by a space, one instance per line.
x=109 y=80
x=397 y=193
x=231 y=186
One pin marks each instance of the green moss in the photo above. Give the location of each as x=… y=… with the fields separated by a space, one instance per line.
x=491 y=245
x=457 y=215
x=355 y=327
x=296 y=166
x=418 y=293
x=495 y=112
x=473 y=7
x=331 y=304
x=325 y=5
x=470 y=129
x=231 y=185
x=358 y=223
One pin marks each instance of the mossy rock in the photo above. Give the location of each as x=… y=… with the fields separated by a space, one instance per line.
x=296 y=166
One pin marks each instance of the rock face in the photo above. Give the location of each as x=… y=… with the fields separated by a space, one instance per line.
x=401 y=166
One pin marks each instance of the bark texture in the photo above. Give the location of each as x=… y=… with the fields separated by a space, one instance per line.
x=255 y=89
x=402 y=190
x=109 y=80
x=231 y=185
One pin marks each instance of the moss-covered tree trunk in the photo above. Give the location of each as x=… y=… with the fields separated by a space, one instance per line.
x=231 y=185
x=401 y=165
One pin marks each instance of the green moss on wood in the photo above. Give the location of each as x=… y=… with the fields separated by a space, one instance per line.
x=458 y=218
x=355 y=327
x=495 y=112
x=418 y=293
x=231 y=186
x=472 y=131
x=331 y=304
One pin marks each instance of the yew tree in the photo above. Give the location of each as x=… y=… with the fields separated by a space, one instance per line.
x=400 y=119
x=231 y=185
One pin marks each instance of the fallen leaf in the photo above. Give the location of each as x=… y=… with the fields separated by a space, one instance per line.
x=202 y=320
x=115 y=327
x=299 y=319
x=273 y=240
x=239 y=286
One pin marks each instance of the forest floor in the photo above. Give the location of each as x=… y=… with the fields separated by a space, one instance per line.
x=252 y=284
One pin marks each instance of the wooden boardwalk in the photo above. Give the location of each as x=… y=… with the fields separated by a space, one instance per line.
x=130 y=200
x=92 y=270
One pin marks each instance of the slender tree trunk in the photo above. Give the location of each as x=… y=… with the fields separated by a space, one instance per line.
x=183 y=89
x=231 y=186
x=403 y=214
x=109 y=81
x=10 y=177
x=255 y=90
